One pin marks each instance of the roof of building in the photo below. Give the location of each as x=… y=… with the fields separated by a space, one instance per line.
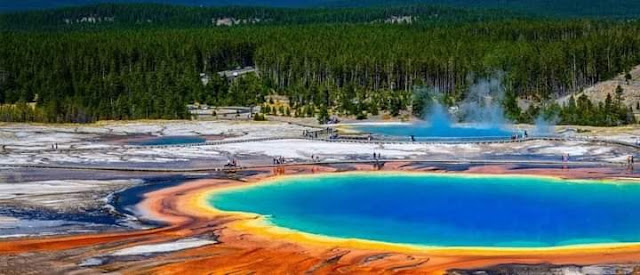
x=237 y=72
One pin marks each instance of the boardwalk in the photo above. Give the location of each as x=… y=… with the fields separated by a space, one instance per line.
x=478 y=141
x=291 y=164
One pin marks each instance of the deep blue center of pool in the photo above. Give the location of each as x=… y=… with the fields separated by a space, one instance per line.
x=168 y=140
x=447 y=210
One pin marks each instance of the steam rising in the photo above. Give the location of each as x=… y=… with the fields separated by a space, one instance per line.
x=483 y=103
x=481 y=111
x=544 y=127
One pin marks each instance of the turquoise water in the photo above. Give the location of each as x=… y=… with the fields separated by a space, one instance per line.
x=427 y=131
x=447 y=210
x=168 y=140
x=439 y=124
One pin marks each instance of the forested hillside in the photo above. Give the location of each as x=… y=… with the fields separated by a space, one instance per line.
x=558 y=8
x=131 y=72
x=112 y=16
x=552 y=8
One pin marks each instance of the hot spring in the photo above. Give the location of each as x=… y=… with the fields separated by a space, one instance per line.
x=167 y=140
x=446 y=210
x=440 y=125
x=446 y=131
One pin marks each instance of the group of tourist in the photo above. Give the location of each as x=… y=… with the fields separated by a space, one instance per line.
x=630 y=161
x=330 y=132
x=377 y=164
x=310 y=134
x=565 y=157
x=377 y=156
x=279 y=160
x=522 y=135
x=333 y=120
x=232 y=163
x=315 y=158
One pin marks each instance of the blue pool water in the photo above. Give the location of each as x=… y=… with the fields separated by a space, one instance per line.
x=447 y=210
x=421 y=130
x=168 y=140
x=438 y=124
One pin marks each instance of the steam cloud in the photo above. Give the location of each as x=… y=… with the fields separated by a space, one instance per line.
x=481 y=107
x=483 y=103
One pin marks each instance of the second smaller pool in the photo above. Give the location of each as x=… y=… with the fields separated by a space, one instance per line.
x=168 y=140
x=428 y=131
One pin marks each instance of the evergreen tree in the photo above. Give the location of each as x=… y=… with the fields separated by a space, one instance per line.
x=346 y=60
x=511 y=108
x=323 y=115
x=619 y=94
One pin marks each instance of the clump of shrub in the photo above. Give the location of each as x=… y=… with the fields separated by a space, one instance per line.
x=259 y=117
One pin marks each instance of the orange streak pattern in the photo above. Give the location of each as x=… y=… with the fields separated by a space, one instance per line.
x=245 y=244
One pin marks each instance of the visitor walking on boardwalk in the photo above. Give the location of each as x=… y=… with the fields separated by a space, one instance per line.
x=630 y=161
x=565 y=157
